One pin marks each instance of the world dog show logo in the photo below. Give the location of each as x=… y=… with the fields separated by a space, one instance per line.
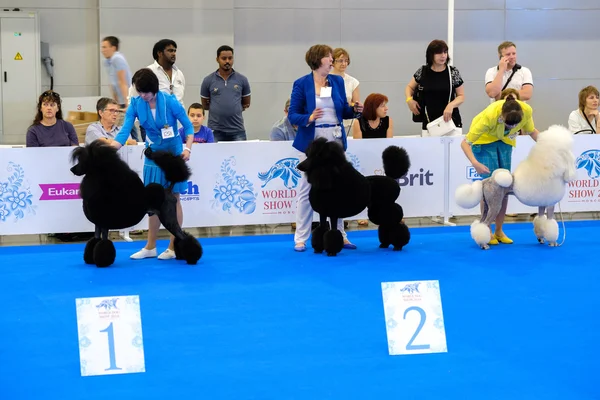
x=283 y=178
x=585 y=190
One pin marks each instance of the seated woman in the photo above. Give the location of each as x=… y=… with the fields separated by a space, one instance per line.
x=48 y=128
x=373 y=124
x=106 y=129
x=585 y=118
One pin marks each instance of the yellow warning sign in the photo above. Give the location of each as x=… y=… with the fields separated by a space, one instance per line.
x=18 y=57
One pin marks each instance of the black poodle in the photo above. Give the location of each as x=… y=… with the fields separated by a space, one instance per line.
x=114 y=197
x=340 y=191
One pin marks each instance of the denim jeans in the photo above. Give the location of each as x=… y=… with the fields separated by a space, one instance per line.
x=229 y=136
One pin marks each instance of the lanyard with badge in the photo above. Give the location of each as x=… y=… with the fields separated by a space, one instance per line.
x=167 y=131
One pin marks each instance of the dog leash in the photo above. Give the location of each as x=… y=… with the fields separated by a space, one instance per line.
x=563 y=224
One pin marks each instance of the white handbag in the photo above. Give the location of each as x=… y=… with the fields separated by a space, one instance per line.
x=438 y=127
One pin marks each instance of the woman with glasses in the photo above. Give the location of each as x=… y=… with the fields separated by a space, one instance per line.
x=341 y=61
x=158 y=113
x=106 y=129
x=490 y=142
x=586 y=119
x=49 y=129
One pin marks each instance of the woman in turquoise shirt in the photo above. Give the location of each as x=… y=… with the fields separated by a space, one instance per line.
x=158 y=114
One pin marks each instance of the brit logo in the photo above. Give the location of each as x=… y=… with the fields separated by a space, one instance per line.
x=282 y=177
x=233 y=191
x=15 y=195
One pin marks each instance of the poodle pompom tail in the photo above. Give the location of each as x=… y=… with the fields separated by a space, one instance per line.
x=469 y=195
x=396 y=162
x=503 y=177
x=175 y=168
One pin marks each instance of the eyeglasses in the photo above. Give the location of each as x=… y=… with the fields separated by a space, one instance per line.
x=51 y=93
x=112 y=110
x=342 y=61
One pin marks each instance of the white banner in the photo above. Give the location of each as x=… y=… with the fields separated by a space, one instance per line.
x=39 y=193
x=413 y=317
x=246 y=183
x=581 y=195
x=110 y=335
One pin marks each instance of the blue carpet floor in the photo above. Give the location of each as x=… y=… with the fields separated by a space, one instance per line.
x=255 y=320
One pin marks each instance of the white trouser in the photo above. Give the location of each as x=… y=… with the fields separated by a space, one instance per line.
x=304 y=212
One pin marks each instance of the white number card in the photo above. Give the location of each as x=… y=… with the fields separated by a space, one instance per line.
x=413 y=317
x=110 y=335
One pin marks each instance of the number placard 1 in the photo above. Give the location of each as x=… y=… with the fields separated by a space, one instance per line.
x=110 y=335
x=413 y=317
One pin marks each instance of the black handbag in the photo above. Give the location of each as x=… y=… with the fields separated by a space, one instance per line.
x=418 y=96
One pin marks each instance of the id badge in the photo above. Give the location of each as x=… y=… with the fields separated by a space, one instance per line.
x=337 y=132
x=326 y=91
x=167 y=132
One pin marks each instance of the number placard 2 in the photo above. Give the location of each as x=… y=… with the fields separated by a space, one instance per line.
x=110 y=335
x=413 y=317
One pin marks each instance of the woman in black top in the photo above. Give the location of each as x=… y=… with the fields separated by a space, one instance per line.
x=434 y=79
x=374 y=122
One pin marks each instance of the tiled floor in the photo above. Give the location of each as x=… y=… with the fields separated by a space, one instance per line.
x=249 y=230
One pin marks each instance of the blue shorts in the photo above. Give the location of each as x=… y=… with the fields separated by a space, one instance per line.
x=493 y=155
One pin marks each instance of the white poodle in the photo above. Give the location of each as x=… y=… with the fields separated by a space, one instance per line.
x=538 y=181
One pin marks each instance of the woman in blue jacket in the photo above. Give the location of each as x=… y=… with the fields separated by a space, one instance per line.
x=158 y=114
x=318 y=107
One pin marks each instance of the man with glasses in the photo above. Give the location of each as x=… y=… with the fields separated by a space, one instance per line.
x=490 y=142
x=107 y=128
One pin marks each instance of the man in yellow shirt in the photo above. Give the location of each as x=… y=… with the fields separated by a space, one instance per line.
x=490 y=141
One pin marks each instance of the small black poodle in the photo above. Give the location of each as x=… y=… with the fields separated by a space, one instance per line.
x=340 y=191
x=114 y=197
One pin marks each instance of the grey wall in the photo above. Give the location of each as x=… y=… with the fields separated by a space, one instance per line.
x=557 y=39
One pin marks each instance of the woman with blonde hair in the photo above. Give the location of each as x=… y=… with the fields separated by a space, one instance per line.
x=585 y=118
x=341 y=61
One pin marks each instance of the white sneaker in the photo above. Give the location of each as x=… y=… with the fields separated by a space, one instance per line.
x=143 y=253
x=168 y=254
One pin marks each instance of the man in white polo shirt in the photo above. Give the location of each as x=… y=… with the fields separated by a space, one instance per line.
x=508 y=74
